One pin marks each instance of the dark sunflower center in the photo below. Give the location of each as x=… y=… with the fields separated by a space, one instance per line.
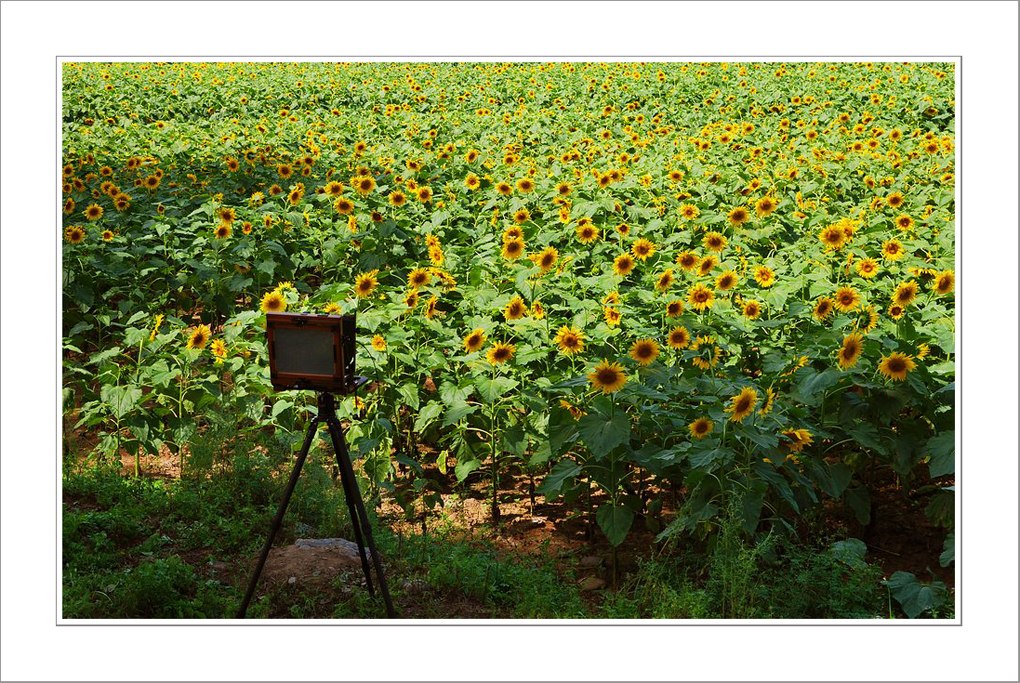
x=606 y=376
x=742 y=404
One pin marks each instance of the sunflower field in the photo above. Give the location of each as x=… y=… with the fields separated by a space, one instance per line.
x=694 y=294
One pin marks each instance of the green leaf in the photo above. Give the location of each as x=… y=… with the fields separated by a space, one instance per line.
x=463 y=469
x=751 y=505
x=850 y=552
x=98 y=358
x=121 y=399
x=601 y=435
x=866 y=434
x=812 y=386
x=565 y=470
x=428 y=414
x=860 y=502
x=491 y=390
x=942 y=449
x=948 y=555
x=457 y=413
x=615 y=521
x=453 y=395
x=280 y=406
x=915 y=597
x=409 y=392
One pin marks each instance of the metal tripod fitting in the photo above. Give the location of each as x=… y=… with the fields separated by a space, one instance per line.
x=355 y=506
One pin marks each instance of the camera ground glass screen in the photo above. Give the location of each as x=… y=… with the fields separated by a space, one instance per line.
x=305 y=351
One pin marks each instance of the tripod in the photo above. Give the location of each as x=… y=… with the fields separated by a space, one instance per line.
x=359 y=519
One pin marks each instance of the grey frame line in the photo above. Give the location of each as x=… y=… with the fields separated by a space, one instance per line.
x=958 y=407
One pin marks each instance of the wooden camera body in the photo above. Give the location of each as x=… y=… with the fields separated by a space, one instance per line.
x=312 y=352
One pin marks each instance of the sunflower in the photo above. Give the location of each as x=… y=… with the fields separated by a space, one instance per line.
x=742 y=404
x=644 y=351
x=701 y=427
x=545 y=259
x=515 y=309
x=285 y=170
x=896 y=365
x=678 y=337
x=424 y=194
x=219 y=349
x=333 y=188
x=107 y=235
x=893 y=250
x=612 y=316
x=623 y=264
x=344 y=206
x=688 y=211
x=500 y=353
x=674 y=308
x=471 y=156
x=896 y=311
x=563 y=189
x=944 y=282
x=738 y=216
x=514 y=232
x=296 y=194
x=397 y=198
x=570 y=340
x=504 y=188
x=823 y=308
x=432 y=307
x=513 y=248
x=69 y=206
x=764 y=206
x=714 y=241
x=475 y=340
x=701 y=360
x=223 y=231
x=526 y=185
x=436 y=255
x=847 y=299
x=199 y=337
x=75 y=234
x=94 y=212
x=727 y=280
x=642 y=249
x=273 y=302
x=587 y=233
x=796 y=439
x=363 y=184
x=522 y=216
x=895 y=200
x=472 y=182
x=609 y=377
x=706 y=265
x=419 y=277
x=687 y=260
x=622 y=229
x=905 y=293
x=904 y=222
x=365 y=284
x=537 y=311
x=411 y=299
x=665 y=280
x=122 y=202
x=833 y=237
x=752 y=309
x=867 y=268
x=850 y=350
x=700 y=297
